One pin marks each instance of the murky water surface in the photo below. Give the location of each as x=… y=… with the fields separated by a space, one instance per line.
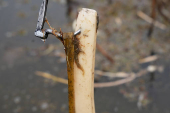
x=22 y=54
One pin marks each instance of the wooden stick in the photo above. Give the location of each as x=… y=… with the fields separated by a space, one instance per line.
x=153 y=16
x=112 y=75
x=115 y=83
x=52 y=77
x=104 y=53
x=84 y=67
x=148 y=59
x=149 y=20
x=131 y=77
x=68 y=41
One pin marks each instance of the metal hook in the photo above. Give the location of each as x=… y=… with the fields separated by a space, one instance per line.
x=39 y=32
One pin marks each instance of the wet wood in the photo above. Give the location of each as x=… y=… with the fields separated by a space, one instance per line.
x=80 y=56
x=69 y=50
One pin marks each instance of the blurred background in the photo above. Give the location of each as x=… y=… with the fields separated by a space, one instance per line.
x=133 y=46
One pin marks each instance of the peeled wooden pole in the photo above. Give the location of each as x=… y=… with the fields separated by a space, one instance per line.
x=80 y=56
x=84 y=68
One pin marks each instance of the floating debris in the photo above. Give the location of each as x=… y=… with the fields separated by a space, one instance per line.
x=153 y=68
x=138 y=94
x=118 y=21
x=10 y=34
x=44 y=105
x=148 y=59
x=63 y=2
x=142 y=100
x=17 y=99
x=59 y=54
x=49 y=49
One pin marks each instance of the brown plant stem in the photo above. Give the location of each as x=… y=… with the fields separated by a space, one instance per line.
x=69 y=50
x=104 y=53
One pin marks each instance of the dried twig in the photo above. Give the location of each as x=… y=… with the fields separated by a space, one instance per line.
x=160 y=11
x=52 y=77
x=148 y=59
x=104 y=53
x=115 y=83
x=153 y=16
x=122 y=81
x=128 y=78
x=113 y=75
x=49 y=50
x=150 y=20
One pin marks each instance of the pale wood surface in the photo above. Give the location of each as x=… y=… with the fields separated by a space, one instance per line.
x=84 y=78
